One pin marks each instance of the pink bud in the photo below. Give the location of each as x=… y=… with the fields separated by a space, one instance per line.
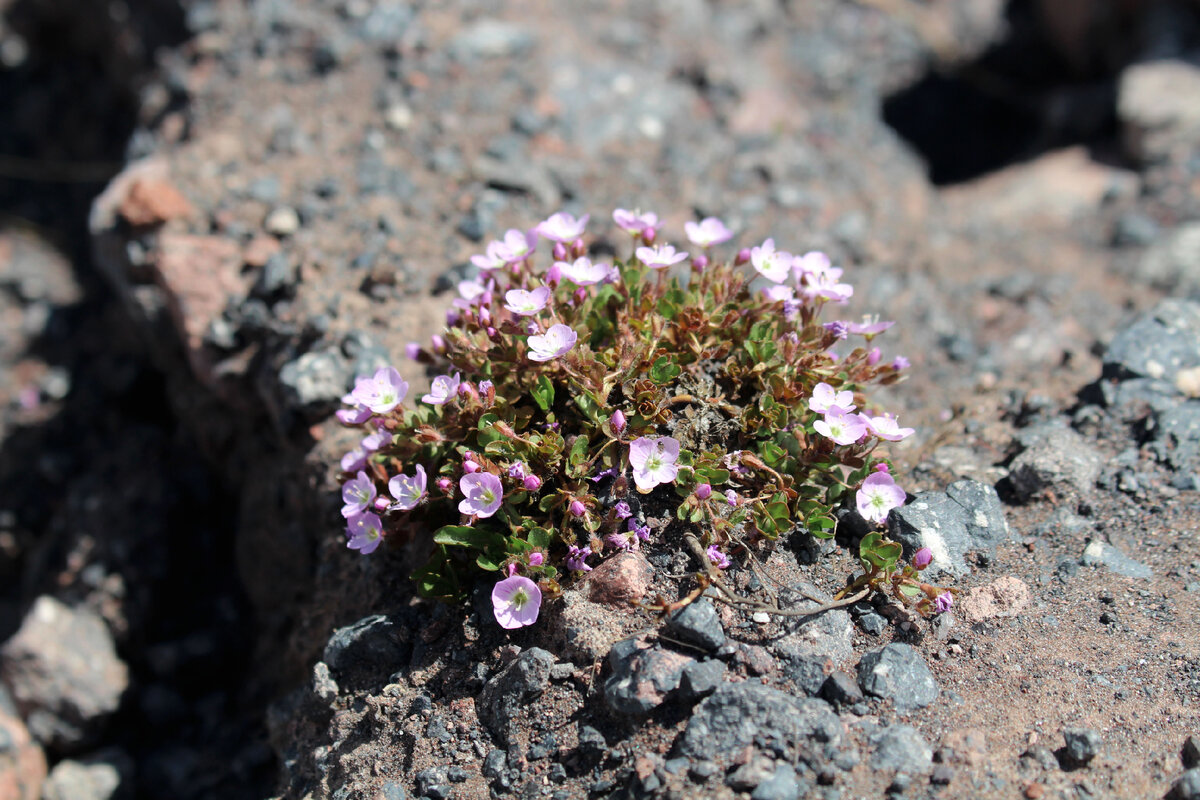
x=532 y=483
x=580 y=295
x=743 y=256
x=704 y=491
x=881 y=467
x=560 y=251
x=536 y=559
x=491 y=332
x=700 y=262
x=922 y=558
x=554 y=274
x=485 y=316
x=445 y=484
x=618 y=422
x=578 y=248
x=874 y=356
x=470 y=466
x=452 y=317
x=412 y=350
x=577 y=508
x=649 y=235
x=381 y=503
x=439 y=344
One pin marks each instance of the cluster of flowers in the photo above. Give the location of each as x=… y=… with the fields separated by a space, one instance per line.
x=530 y=337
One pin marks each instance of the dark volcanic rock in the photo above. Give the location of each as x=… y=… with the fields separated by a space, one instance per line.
x=898 y=672
x=1082 y=745
x=508 y=694
x=901 y=748
x=741 y=714
x=642 y=678
x=698 y=623
x=1157 y=344
x=1055 y=457
x=367 y=651
x=966 y=518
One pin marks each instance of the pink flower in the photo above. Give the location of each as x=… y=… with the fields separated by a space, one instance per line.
x=719 y=559
x=365 y=532
x=495 y=257
x=922 y=558
x=624 y=540
x=516 y=602
x=552 y=344
x=774 y=265
x=812 y=263
x=869 y=327
x=353 y=416
x=887 y=427
x=660 y=256
x=841 y=428
x=518 y=245
x=408 y=491
x=381 y=393
x=583 y=272
x=704 y=491
x=484 y=493
x=825 y=400
x=943 y=602
x=357 y=494
x=707 y=232
x=877 y=496
x=576 y=558
x=531 y=483
x=562 y=227
x=826 y=285
x=355 y=460
x=523 y=303
x=444 y=387
x=901 y=363
x=653 y=461
x=634 y=222
x=536 y=559
x=779 y=292
x=518 y=470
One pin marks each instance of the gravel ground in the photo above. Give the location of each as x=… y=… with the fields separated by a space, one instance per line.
x=304 y=183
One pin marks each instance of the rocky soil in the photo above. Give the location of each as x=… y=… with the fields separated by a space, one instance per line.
x=214 y=214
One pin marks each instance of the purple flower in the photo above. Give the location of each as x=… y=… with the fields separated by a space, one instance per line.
x=381 y=393
x=778 y=291
x=922 y=558
x=495 y=257
x=518 y=245
x=518 y=470
x=444 y=387
x=622 y=510
x=532 y=483
x=653 y=461
x=707 y=232
x=357 y=494
x=583 y=272
x=365 y=532
x=870 y=326
x=634 y=222
x=826 y=285
x=523 y=303
x=704 y=491
x=731 y=497
x=826 y=401
x=412 y=351
x=838 y=328
x=901 y=363
x=943 y=602
x=887 y=427
x=471 y=291
x=627 y=540
x=408 y=491
x=377 y=440
x=516 y=602
x=719 y=559
x=841 y=428
x=877 y=496
x=640 y=531
x=660 y=256
x=484 y=493
x=576 y=558
x=552 y=344
x=617 y=420
x=355 y=460
x=562 y=227
x=812 y=263
x=353 y=416
x=774 y=265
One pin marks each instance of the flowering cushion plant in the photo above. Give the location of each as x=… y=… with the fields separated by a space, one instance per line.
x=583 y=408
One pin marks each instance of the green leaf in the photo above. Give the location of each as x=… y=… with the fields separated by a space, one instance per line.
x=543 y=393
x=712 y=475
x=772 y=453
x=664 y=370
x=465 y=536
x=908 y=590
x=539 y=538
x=588 y=405
x=487 y=564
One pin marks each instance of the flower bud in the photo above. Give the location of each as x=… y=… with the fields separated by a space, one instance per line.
x=881 y=467
x=381 y=503
x=532 y=483
x=438 y=343
x=618 y=422
x=922 y=558
x=491 y=332
x=485 y=316
x=649 y=235
x=452 y=317
x=731 y=497
x=412 y=350
x=743 y=256
x=577 y=508
x=536 y=559
x=554 y=274
x=445 y=484
x=559 y=252
x=874 y=356
x=700 y=262
x=578 y=248
x=469 y=464
x=704 y=491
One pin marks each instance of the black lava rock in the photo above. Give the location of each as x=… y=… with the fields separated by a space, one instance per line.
x=366 y=652
x=698 y=623
x=509 y=693
x=898 y=672
x=1082 y=745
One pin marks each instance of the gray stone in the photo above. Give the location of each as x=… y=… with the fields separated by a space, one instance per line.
x=809 y=672
x=1172 y=263
x=897 y=672
x=1177 y=437
x=490 y=38
x=316 y=381
x=1055 y=457
x=277 y=278
x=99 y=777
x=509 y=694
x=741 y=714
x=830 y=633
x=841 y=690
x=1158 y=105
x=642 y=678
x=782 y=785
x=365 y=652
x=966 y=518
x=901 y=748
x=751 y=774
x=1158 y=344
x=1099 y=553
x=698 y=623
x=872 y=624
x=1082 y=745
x=701 y=678
x=1187 y=785
x=63 y=672
x=1190 y=754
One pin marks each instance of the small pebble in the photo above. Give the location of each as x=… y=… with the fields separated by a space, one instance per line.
x=283 y=221
x=761 y=617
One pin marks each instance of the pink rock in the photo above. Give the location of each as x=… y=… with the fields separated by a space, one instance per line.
x=624 y=578
x=22 y=764
x=1005 y=597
